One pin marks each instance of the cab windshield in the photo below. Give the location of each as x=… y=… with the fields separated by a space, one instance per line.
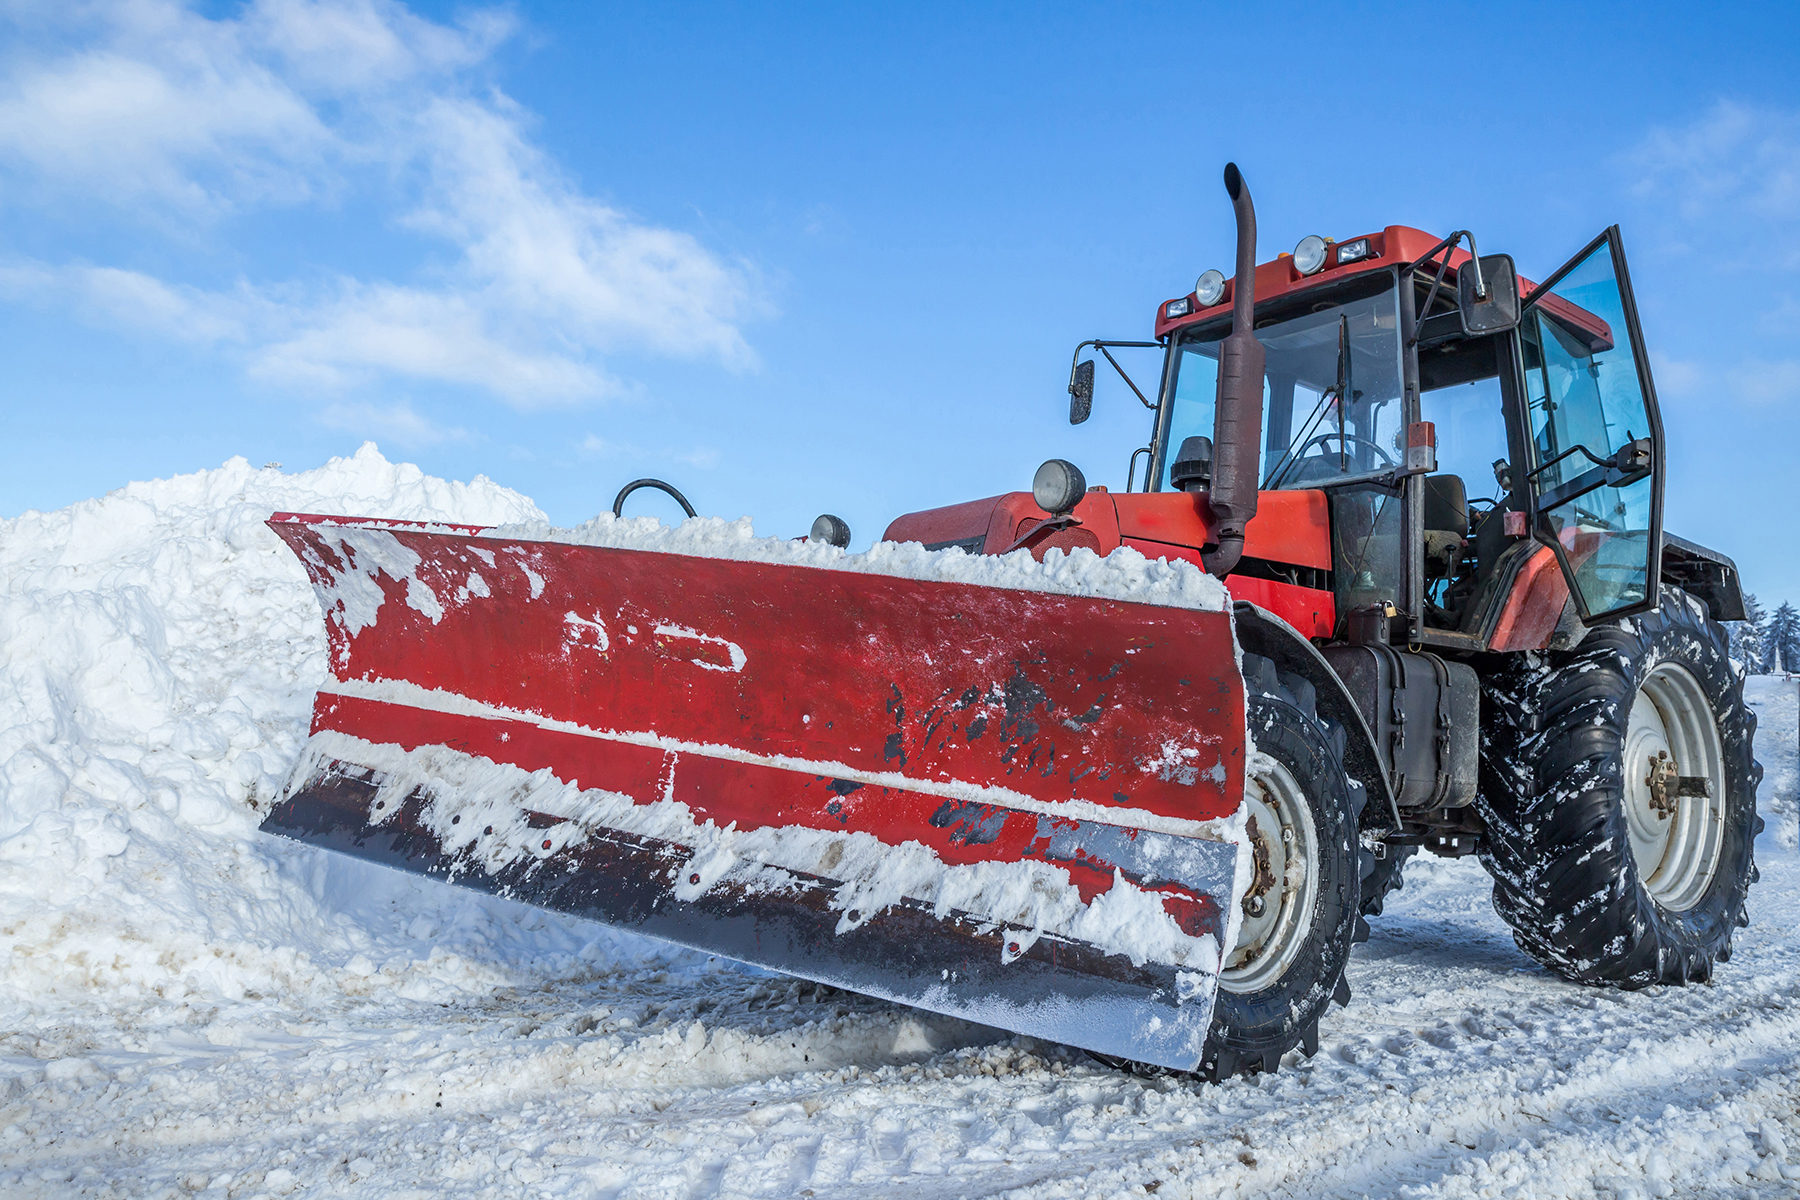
x=1331 y=389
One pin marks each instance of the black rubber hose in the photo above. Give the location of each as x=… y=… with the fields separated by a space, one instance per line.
x=634 y=485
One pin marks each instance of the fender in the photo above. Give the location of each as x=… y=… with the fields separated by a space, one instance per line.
x=1705 y=574
x=1260 y=631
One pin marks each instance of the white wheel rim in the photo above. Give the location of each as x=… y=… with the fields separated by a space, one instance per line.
x=1675 y=843
x=1281 y=825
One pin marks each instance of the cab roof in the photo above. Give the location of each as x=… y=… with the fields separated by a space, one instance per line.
x=1396 y=244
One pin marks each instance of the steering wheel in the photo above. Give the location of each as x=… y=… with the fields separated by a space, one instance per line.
x=1347 y=438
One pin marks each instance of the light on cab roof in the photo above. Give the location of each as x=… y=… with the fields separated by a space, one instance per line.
x=1309 y=255
x=1210 y=289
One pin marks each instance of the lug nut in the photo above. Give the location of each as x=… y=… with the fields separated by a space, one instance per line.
x=1253 y=906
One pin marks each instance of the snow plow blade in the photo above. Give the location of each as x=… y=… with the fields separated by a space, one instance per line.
x=1006 y=805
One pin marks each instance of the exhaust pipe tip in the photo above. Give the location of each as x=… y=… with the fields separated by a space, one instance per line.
x=1234 y=181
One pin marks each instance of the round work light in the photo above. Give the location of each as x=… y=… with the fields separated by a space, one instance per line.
x=1309 y=255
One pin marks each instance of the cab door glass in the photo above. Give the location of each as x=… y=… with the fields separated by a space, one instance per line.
x=1196 y=398
x=1595 y=439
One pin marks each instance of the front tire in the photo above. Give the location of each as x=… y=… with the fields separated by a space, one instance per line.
x=1300 y=915
x=1610 y=861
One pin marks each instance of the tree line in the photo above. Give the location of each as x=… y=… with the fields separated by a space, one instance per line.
x=1766 y=642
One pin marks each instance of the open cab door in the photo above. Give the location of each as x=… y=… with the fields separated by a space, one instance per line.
x=1594 y=433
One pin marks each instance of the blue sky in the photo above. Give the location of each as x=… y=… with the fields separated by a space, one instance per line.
x=828 y=258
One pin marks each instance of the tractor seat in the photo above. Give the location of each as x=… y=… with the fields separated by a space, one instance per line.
x=1446 y=524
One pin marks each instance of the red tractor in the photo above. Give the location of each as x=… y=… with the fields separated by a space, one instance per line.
x=1433 y=492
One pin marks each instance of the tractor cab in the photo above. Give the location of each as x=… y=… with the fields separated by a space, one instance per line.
x=1387 y=438
x=1465 y=427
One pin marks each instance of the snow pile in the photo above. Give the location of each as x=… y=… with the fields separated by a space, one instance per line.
x=1124 y=574
x=1775 y=699
x=161 y=651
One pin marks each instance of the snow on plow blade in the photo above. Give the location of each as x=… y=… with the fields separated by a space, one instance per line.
x=1006 y=805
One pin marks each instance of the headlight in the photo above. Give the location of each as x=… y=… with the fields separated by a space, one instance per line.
x=1210 y=289
x=1349 y=252
x=1177 y=308
x=1309 y=255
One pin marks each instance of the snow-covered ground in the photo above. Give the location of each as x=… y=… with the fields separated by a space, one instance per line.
x=188 y=1007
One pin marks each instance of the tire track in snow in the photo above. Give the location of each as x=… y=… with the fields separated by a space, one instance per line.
x=1485 y=1050
x=1491 y=1073
x=1444 y=1135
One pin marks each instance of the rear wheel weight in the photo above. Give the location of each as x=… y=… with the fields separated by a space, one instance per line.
x=1289 y=958
x=1620 y=832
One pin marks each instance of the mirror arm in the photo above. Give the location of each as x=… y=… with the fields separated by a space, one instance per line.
x=1102 y=347
x=1431 y=297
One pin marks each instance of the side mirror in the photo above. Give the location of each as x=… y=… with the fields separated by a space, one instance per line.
x=1081 y=392
x=1494 y=306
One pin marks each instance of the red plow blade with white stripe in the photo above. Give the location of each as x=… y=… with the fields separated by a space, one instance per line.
x=1008 y=805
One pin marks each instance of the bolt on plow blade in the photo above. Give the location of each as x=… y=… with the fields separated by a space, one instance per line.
x=1006 y=805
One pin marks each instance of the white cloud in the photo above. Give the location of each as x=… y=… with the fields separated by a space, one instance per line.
x=1731 y=172
x=183 y=122
x=447 y=335
x=394 y=423
x=599 y=447
x=1718 y=200
x=703 y=458
x=1769 y=382
x=1676 y=377
x=1782 y=320
x=135 y=300
x=1765 y=381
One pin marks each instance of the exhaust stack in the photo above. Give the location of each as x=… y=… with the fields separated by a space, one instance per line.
x=1237 y=415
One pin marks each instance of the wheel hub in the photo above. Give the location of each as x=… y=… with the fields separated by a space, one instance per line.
x=1277 y=909
x=1674 y=787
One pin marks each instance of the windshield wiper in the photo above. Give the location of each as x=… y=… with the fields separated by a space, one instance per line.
x=1343 y=387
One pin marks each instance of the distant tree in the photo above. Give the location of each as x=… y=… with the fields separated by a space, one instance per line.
x=1747 y=635
x=1781 y=640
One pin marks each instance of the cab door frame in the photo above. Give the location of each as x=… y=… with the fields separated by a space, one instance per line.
x=1538 y=518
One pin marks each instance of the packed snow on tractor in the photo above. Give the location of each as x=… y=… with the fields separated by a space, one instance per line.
x=1123 y=770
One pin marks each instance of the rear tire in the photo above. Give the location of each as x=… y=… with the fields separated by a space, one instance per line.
x=1604 y=877
x=1295 y=934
